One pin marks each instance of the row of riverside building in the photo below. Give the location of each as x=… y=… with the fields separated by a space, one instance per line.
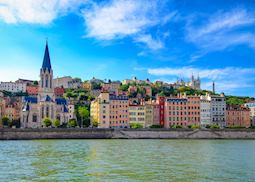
x=111 y=111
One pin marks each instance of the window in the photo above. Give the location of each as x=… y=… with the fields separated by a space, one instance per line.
x=42 y=111
x=34 y=118
x=47 y=79
x=47 y=111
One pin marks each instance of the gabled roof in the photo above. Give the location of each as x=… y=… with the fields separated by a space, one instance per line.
x=46 y=60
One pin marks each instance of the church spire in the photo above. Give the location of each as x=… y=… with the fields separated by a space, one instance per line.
x=46 y=60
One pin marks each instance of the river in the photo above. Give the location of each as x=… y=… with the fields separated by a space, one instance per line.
x=127 y=160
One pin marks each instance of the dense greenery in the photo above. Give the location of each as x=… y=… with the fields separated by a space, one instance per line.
x=83 y=116
x=156 y=126
x=136 y=125
x=72 y=123
x=47 y=122
x=213 y=126
x=176 y=126
x=56 y=123
x=238 y=100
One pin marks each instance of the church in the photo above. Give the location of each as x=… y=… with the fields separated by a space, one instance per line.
x=45 y=105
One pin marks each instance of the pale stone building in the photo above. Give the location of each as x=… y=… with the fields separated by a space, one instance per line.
x=13 y=87
x=45 y=105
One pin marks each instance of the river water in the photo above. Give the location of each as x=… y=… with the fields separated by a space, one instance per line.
x=127 y=160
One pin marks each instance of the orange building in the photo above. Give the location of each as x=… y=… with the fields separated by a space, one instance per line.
x=238 y=116
x=176 y=112
x=32 y=89
x=193 y=105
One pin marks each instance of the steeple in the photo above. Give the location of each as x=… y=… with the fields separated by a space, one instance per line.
x=46 y=60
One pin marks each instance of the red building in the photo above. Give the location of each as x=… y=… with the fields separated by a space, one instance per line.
x=161 y=103
x=32 y=89
x=238 y=116
x=59 y=91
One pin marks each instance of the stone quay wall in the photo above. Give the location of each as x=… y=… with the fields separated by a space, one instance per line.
x=96 y=133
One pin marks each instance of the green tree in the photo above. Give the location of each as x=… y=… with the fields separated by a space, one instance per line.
x=72 y=123
x=35 y=82
x=6 y=121
x=124 y=87
x=47 y=122
x=84 y=114
x=56 y=123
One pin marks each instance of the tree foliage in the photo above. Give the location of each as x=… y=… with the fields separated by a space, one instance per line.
x=56 y=123
x=136 y=125
x=47 y=122
x=72 y=123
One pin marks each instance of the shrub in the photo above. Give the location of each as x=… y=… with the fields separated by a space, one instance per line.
x=195 y=126
x=156 y=126
x=214 y=126
x=176 y=126
x=47 y=122
x=136 y=125
x=6 y=121
x=72 y=123
x=56 y=123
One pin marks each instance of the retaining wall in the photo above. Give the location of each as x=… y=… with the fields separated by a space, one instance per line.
x=93 y=133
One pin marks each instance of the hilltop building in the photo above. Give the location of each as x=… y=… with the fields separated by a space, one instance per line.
x=45 y=104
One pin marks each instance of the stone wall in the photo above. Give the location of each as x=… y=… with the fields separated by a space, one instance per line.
x=27 y=134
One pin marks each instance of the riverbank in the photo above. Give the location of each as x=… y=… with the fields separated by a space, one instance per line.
x=96 y=133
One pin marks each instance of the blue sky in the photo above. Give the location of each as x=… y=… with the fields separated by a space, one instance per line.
x=119 y=39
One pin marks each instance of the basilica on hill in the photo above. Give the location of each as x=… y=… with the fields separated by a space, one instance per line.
x=45 y=104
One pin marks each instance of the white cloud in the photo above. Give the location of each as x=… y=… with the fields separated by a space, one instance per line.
x=34 y=11
x=150 y=42
x=118 y=18
x=221 y=31
x=126 y=18
x=227 y=79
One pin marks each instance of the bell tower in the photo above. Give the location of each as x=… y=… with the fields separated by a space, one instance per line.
x=46 y=75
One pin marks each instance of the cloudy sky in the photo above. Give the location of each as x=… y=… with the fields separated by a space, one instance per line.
x=119 y=39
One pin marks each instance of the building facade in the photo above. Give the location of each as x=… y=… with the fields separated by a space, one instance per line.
x=110 y=111
x=13 y=87
x=238 y=116
x=252 y=112
x=45 y=104
x=32 y=89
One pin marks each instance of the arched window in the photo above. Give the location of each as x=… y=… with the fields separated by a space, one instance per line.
x=47 y=80
x=50 y=82
x=42 y=112
x=58 y=117
x=47 y=111
x=42 y=83
x=52 y=112
x=34 y=118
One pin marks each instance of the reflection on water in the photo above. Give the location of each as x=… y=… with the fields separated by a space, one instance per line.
x=127 y=160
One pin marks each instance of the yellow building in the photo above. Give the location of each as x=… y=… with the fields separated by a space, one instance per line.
x=110 y=111
x=142 y=114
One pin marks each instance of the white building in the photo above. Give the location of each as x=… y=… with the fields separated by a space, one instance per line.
x=13 y=87
x=205 y=110
x=213 y=110
x=252 y=111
